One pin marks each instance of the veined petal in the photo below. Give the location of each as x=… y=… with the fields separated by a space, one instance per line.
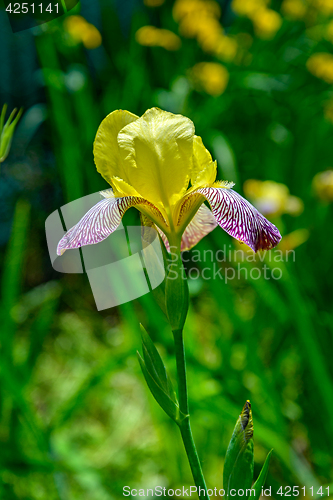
x=101 y=220
x=156 y=151
x=240 y=219
x=202 y=223
x=106 y=149
x=204 y=168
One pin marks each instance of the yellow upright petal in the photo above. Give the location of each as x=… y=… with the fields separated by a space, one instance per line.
x=204 y=168
x=106 y=149
x=156 y=151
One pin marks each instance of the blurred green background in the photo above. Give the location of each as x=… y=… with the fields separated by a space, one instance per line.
x=76 y=419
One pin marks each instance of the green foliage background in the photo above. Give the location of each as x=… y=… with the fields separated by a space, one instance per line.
x=76 y=419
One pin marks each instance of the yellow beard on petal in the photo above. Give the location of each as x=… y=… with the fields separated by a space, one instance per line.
x=223 y=184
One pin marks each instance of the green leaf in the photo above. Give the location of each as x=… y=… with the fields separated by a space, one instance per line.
x=238 y=465
x=7 y=131
x=170 y=407
x=2 y=117
x=13 y=272
x=258 y=485
x=157 y=378
x=159 y=296
x=155 y=365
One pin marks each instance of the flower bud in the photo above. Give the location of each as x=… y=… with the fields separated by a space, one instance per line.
x=238 y=465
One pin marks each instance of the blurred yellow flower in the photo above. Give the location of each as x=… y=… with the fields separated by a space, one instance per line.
x=82 y=31
x=199 y=24
x=322 y=184
x=211 y=77
x=183 y=8
x=155 y=37
x=74 y=25
x=266 y=23
x=294 y=9
x=199 y=19
x=329 y=31
x=294 y=239
x=323 y=6
x=247 y=7
x=289 y=242
x=226 y=48
x=321 y=66
x=272 y=198
x=153 y=3
x=208 y=33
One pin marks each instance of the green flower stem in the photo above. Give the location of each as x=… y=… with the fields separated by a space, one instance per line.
x=177 y=302
x=184 y=425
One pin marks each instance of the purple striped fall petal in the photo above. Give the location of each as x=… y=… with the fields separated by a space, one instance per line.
x=157 y=164
x=100 y=221
x=240 y=219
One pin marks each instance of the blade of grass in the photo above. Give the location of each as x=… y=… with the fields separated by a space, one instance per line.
x=67 y=143
x=12 y=274
x=307 y=338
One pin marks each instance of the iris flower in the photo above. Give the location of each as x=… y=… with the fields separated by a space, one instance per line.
x=157 y=164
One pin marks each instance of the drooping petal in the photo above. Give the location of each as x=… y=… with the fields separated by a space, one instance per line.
x=157 y=151
x=202 y=223
x=101 y=220
x=106 y=149
x=240 y=219
x=204 y=168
